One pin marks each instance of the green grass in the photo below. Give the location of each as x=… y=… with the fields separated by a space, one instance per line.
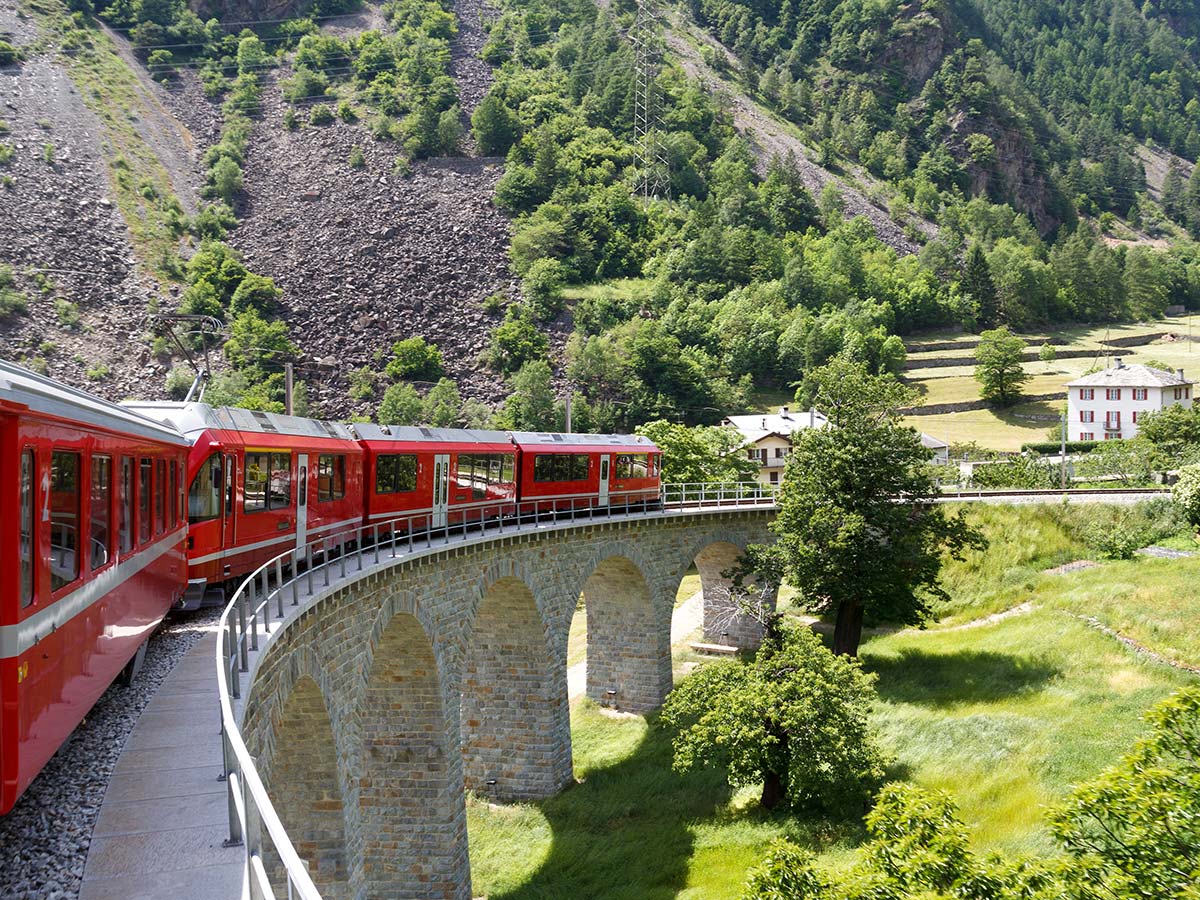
x=995 y=429
x=1005 y=716
x=618 y=287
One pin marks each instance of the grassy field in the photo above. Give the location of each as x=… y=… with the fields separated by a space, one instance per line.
x=1004 y=713
x=1006 y=430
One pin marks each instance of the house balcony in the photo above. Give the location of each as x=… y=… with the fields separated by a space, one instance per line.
x=1112 y=426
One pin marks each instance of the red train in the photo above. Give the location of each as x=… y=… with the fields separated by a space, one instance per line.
x=92 y=557
x=111 y=515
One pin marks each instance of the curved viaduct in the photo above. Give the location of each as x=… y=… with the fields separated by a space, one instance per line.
x=379 y=700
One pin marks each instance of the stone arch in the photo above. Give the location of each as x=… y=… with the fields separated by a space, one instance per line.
x=516 y=729
x=629 y=634
x=411 y=810
x=305 y=788
x=713 y=555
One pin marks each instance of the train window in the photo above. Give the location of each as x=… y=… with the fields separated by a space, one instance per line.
x=473 y=474
x=560 y=467
x=64 y=518
x=204 y=495
x=144 y=479
x=268 y=482
x=331 y=477
x=507 y=469
x=160 y=496
x=27 y=504
x=101 y=511
x=579 y=467
x=395 y=473
x=125 y=530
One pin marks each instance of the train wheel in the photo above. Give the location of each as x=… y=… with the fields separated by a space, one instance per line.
x=133 y=666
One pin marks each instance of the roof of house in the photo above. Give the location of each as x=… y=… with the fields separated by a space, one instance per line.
x=781 y=424
x=932 y=443
x=1121 y=375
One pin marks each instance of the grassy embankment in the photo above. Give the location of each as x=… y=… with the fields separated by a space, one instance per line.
x=1008 y=429
x=1005 y=714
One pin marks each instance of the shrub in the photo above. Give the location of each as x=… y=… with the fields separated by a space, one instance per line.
x=320 y=115
x=1025 y=471
x=225 y=179
x=67 y=313
x=1186 y=493
x=362 y=383
x=12 y=301
x=346 y=112
x=493 y=304
x=401 y=405
x=543 y=288
x=415 y=359
x=1055 y=446
x=8 y=54
x=48 y=153
x=357 y=160
x=290 y=121
x=6 y=153
x=516 y=341
x=98 y=372
x=179 y=380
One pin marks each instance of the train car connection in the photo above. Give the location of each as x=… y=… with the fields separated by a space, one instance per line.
x=561 y=471
x=92 y=556
x=438 y=476
x=260 y=483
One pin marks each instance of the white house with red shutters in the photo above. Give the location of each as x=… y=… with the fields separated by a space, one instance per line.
x=1108 y=404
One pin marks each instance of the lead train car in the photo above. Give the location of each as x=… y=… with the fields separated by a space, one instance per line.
x=91 y=557
x=260 y=484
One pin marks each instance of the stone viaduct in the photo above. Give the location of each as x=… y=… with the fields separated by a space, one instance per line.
x=380 y=700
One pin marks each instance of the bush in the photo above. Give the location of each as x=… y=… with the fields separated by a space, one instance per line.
x=225 y=180
x=1186 y=493
x=320 y=115
x=516 y=341
x=179 y=380
x=401 y=405
x=543 y=288
x=1025 y=471
x=12 y=301
x=415 y=359
x=8 y=54
x=362 y=383
x=1053 y=447
x=7 y=151
x=357 y=160
x=67 y=313
x=346 y=112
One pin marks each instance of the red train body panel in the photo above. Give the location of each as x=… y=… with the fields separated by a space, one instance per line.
x=91 y=558
x=592 y=470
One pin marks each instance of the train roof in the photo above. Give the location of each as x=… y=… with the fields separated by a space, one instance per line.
x=195 y=418
x=552 y=439
x=415 y=434
x=23 y=388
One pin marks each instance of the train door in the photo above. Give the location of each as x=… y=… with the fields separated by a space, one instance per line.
x=228 y=520
x=302 y=502
x=441 y=489
x=604 y=463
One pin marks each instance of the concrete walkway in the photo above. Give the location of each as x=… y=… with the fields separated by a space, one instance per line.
x=688 y=616
x=164 y=816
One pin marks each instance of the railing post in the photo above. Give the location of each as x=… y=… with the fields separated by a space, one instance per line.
x=253 y=612
x=295 y=580
x=342 y=558
x=231 y=662
x=232 y=783
x=242 y=638
x=279 y=579
x=375 y=532
x=253 y=836
x=308 y=558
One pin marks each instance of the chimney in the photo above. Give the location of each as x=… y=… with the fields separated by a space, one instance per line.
x=764 y=424
x=812 y=417
x=783 y=412
x=1179 y=372
x=1120 y=363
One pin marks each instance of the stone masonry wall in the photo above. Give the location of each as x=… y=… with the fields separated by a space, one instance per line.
x=450 y=669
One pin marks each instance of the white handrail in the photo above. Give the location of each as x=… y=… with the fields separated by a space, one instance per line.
x=250 y=807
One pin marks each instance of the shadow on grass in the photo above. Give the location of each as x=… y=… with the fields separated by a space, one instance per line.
x=964 y=676
x=622 y=834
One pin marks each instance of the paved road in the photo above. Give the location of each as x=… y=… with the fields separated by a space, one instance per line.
x=687 y=618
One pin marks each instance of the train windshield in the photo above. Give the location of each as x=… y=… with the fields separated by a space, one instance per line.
x=204 y=495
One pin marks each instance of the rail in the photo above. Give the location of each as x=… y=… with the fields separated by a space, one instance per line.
x=265 y=596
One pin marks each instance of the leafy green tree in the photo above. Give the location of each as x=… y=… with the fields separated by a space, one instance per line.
x=401 y=405
x=415 y=359
x=796 y=720
x=1174 y=432
x=999 y=371
x=858 y=526
x=257 y=345
x=1140 y=820
x=1186 y=493
x=225 y=180
x=1047 y=354
x=542 y=288
x=443 y=405
x=1128 y=462
x=495 y=125
x=700 y=454
x=516 y=341
x=530 y=405
x=256 y=292
x=977 y=284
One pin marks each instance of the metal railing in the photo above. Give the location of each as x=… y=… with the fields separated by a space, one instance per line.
x=266 y=597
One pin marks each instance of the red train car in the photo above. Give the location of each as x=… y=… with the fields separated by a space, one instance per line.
x=91 y=557
x=595 y=470
x=258 y=484
x=442 y=476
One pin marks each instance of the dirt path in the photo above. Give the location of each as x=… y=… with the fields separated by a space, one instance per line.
x=687 y=618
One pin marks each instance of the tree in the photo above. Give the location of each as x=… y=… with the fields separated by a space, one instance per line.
x=1047 y=354
x=1140 y=820
x=977 y=284
x=258 y=345
x=1128 y=462
x=1186 y=493
x=443 y=404
x=706 y=454
x=401 y=405
x=858 y=524
x=516 y=341
x=796 y=719
x=999 y=370
x=542 y=287
x=256 y=292
x=495 y=125
x=1174 y=432
x=530 y=402
x=416 y=359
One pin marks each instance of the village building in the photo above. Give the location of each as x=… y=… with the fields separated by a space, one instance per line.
x=767 y=439
x=1110 y=404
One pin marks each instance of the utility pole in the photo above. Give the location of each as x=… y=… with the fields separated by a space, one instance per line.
x=287 y=389
x=650 y=155
x=568 y=423
x=1062 y=454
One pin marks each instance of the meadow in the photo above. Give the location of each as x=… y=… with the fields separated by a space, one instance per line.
x=1008 y=700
